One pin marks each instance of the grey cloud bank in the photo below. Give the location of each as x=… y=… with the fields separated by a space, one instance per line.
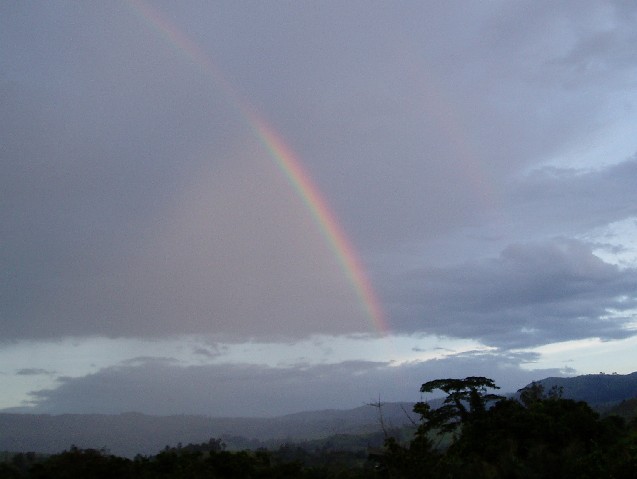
x=532 y=294
x=250 y=390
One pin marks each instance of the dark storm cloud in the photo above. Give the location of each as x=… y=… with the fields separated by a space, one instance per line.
x=448 y=107
x=95 y=145
x=161 y=387
x=231 y=256
x=531 y=294
x=129 y=205
x=136 y=201
x=571 y=201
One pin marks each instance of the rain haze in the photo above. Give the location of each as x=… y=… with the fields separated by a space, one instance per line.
x=256 y=208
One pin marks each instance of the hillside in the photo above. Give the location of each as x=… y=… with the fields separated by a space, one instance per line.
x=132 y=433
x=598 y=390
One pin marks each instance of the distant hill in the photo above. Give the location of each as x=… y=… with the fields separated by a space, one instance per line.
x=133 y=433
x=598 y=390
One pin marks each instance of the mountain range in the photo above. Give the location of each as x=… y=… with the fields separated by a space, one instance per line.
x=600 y=391
x=129 y=434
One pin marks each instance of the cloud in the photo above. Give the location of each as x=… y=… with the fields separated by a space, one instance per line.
x=138 y=202
x=572 y=201
x=34 y=372
x=532 y=294
x=236 y=253
x=165 y=387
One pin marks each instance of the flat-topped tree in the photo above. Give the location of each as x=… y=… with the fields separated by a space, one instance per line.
x=466 y=400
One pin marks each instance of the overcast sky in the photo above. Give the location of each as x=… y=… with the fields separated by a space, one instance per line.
x=157 y=254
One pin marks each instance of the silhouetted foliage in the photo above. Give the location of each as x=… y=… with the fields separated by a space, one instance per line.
x=208 y=460
x=539 y=436
x=466 y=400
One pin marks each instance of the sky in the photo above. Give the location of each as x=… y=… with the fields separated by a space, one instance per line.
x=257 y=208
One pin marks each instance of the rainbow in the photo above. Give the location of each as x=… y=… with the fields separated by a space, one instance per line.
x=286 y=160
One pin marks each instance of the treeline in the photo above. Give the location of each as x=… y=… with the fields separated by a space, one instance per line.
x=209 y=460
x=475 y=434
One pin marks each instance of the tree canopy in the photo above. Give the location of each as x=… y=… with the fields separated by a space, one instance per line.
x=539 y=435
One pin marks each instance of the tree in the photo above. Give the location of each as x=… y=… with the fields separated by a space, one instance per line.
x=466 y=400
x=534 y=393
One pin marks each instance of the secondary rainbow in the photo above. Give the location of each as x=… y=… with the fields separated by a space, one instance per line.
x=286 y=160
